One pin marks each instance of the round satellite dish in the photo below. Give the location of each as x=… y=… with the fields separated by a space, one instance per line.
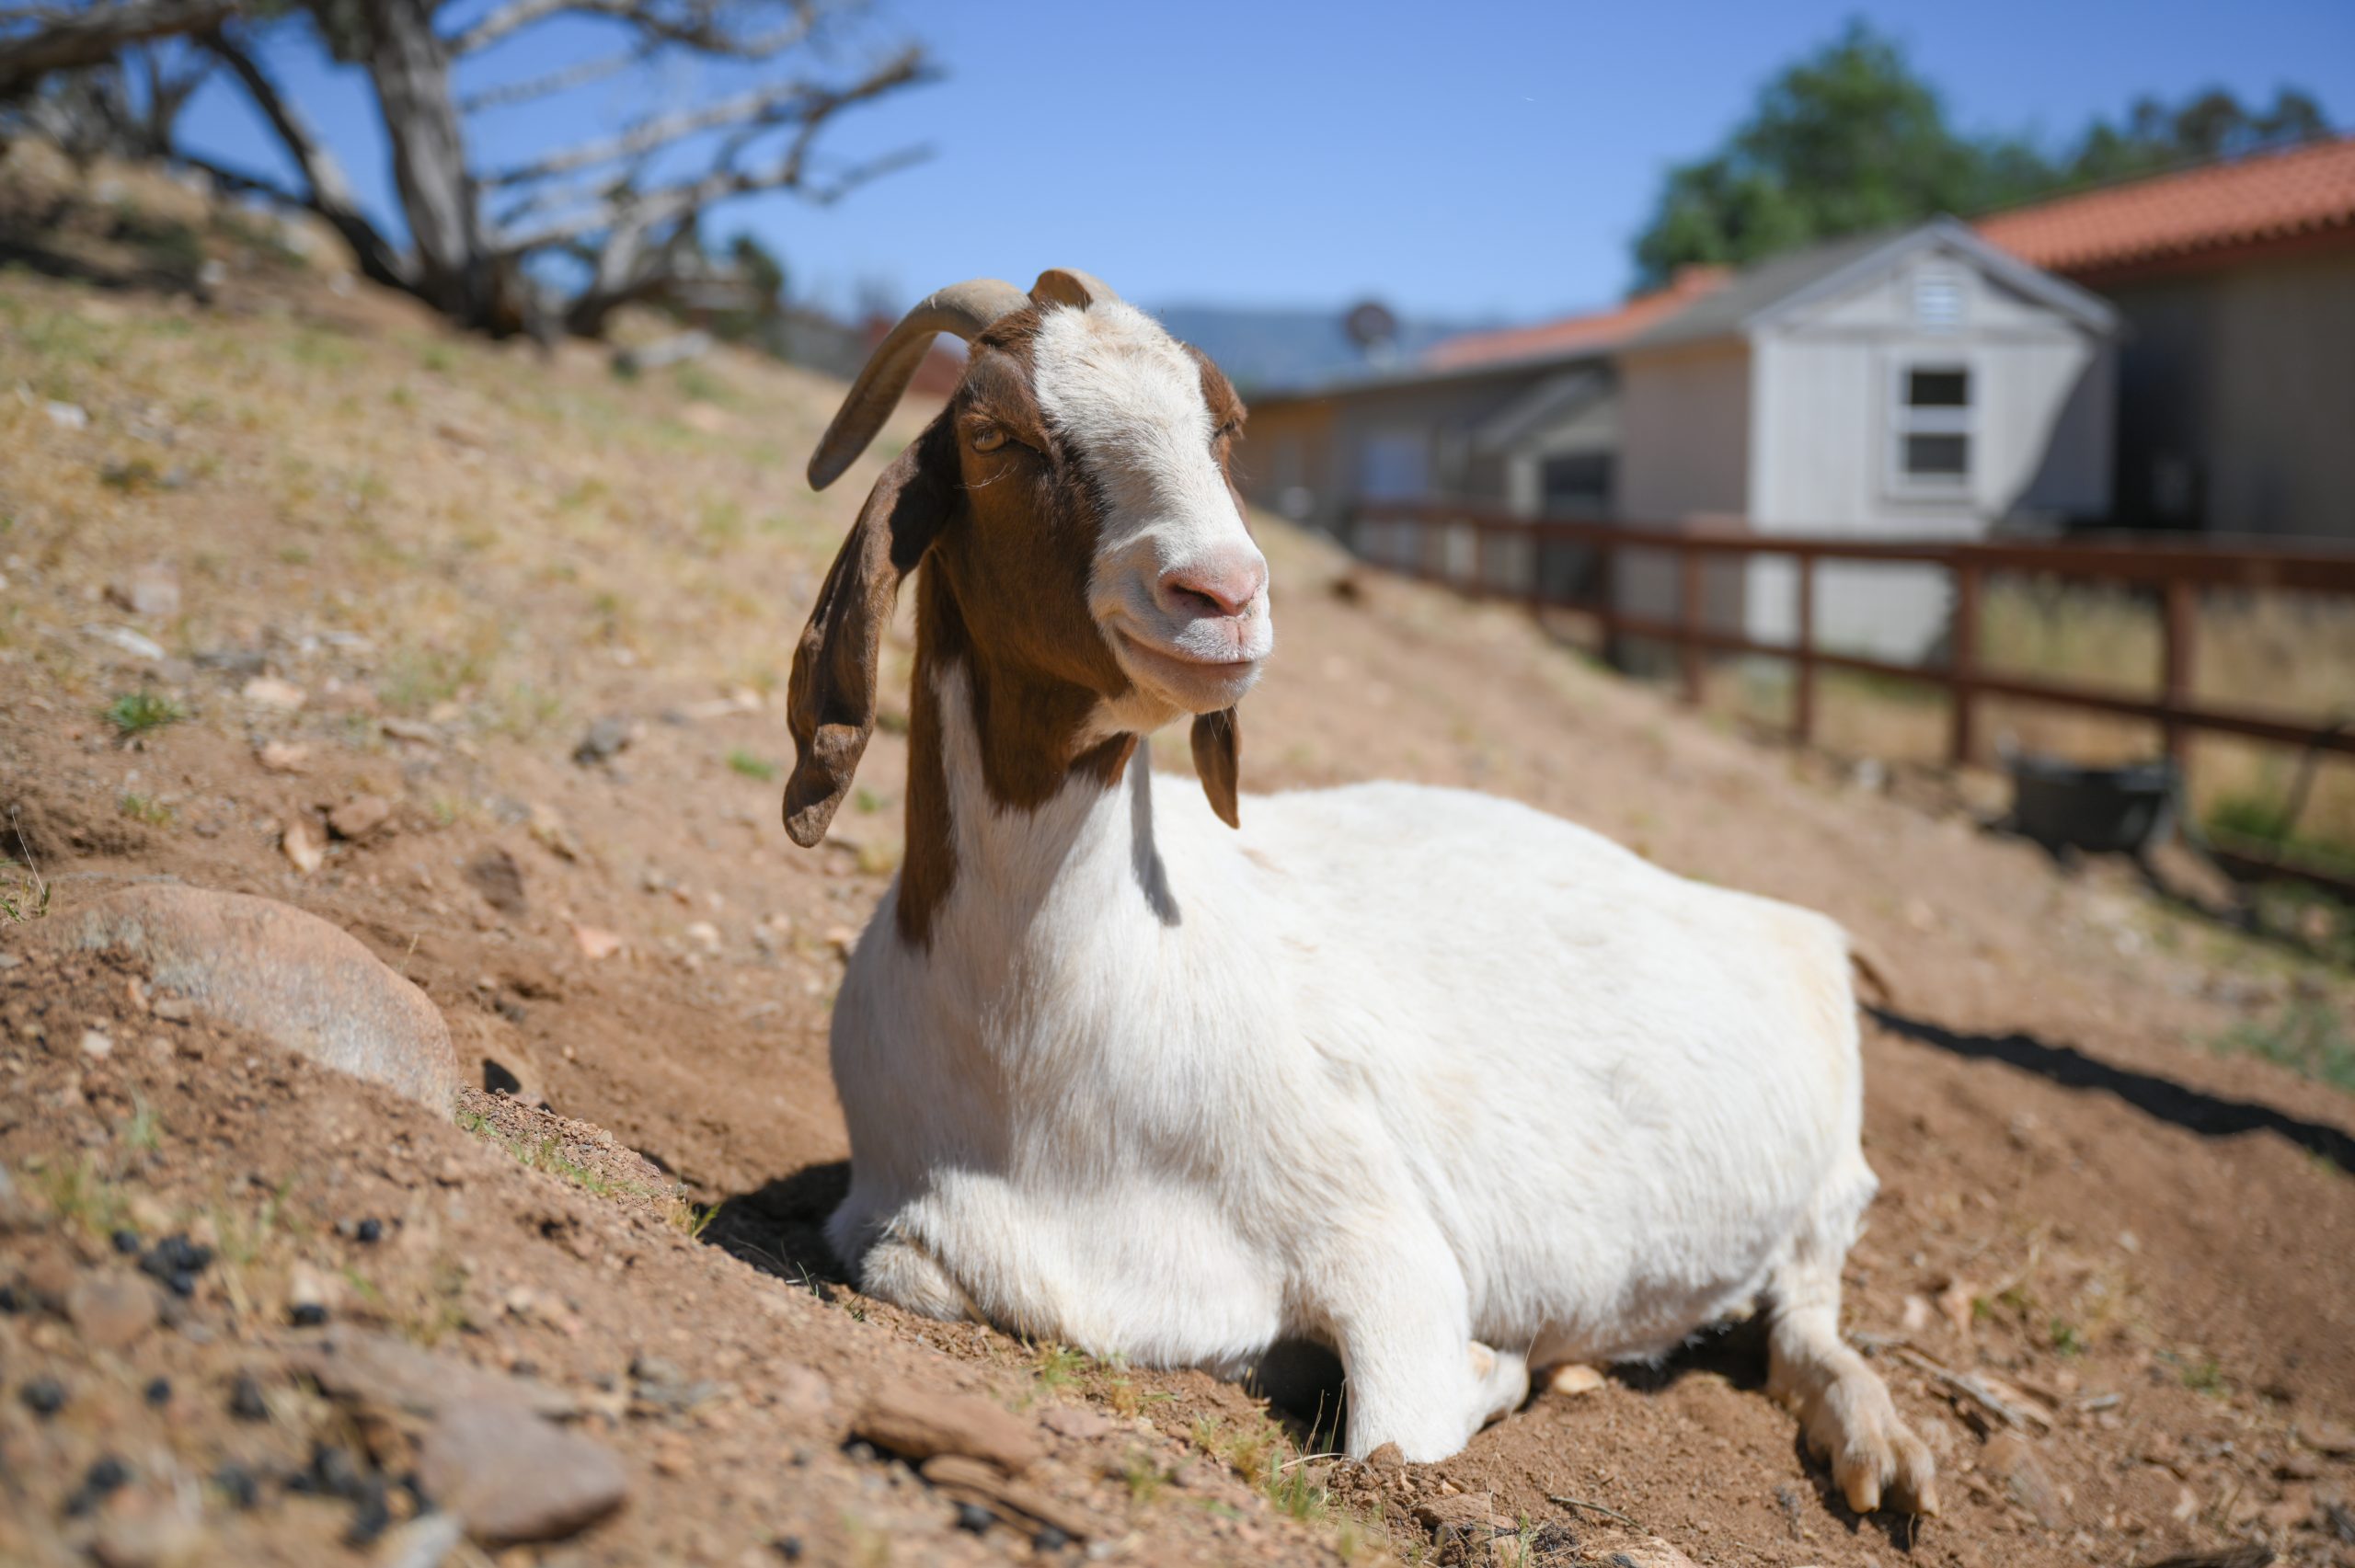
x=1371 y=326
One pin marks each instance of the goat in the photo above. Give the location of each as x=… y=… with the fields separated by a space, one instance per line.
x=1447 y=1084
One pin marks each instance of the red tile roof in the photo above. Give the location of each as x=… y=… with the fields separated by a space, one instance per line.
x=1594 y=333
x=2273 y=196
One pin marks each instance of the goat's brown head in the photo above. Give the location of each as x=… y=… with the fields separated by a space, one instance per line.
x=1076 y=498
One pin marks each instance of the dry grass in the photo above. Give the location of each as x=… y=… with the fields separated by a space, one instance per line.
x=2283 y=652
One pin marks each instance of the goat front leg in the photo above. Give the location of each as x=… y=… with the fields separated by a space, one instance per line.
x=1413 y=1373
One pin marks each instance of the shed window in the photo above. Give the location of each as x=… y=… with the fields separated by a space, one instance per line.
x=1932 y=424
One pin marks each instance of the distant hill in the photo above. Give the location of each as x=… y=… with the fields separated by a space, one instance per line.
x=1274 y=349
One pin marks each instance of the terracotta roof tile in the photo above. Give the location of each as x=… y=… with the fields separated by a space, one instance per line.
x=2268 y=197
x=1590 y=334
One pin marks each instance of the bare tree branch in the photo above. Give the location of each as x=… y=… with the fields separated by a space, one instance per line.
x=72 y=40
x=330 y=194
x=693 y=24
x=778 y=104
x=551 y=82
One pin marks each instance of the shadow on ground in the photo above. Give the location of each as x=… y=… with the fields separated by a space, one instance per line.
x=2206 y=1115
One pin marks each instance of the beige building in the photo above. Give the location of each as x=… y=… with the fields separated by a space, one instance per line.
x=2235 y=284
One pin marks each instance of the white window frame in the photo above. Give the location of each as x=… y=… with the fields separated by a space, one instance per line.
x=1904 y=419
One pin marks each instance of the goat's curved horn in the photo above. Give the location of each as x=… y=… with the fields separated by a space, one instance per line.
x=965 y=309
x=1070 y=286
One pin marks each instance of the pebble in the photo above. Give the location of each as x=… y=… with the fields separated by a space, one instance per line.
x=43 y=1396
x=974 y=1517
x=235 y=1482
x=96 y=1044
x=102 y=1479
x=269 y=692
x=512 y=1477
x=607 y=738
x=244 y=1398
x=126 y=1241
x=304 y=846
x=359 y=816
x=111 y=1312
x=917 y=1424
x=368 y=1232
x=158 y=1391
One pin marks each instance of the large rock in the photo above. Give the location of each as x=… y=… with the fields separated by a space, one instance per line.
x=270 y=968
x=512 y=1477
x=916 y=1424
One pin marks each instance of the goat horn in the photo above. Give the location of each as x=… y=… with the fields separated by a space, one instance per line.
x=965 y=309
x=1070 y=286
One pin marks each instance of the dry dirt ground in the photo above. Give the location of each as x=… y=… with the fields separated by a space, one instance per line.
x=273 y=544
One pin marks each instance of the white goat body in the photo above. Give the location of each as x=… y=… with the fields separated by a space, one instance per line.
x=1448 y=1084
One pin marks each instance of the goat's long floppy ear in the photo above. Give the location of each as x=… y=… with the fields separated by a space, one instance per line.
x=1218 y=760
x=830 y=701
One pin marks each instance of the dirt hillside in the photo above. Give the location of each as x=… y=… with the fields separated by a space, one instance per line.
x=477 y=653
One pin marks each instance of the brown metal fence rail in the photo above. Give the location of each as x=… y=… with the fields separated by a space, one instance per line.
x=1441 y=541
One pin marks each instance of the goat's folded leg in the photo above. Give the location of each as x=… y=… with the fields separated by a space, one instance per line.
x=1401 y=1325
x=1843 y=1405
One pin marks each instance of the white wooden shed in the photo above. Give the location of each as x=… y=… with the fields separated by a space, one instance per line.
x=1916 y=385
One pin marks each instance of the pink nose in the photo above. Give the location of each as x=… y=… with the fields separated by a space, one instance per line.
x=1216 y=585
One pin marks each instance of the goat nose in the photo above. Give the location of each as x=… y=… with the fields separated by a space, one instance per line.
x=1220 y=585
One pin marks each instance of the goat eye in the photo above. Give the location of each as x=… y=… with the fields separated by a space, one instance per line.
x=989 y=438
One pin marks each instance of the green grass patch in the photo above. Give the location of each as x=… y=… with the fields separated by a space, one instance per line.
x=136 y=712
x=2308 y=1037
x=743 y=762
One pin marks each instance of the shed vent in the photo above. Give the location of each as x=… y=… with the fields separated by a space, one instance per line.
x=1937 y=302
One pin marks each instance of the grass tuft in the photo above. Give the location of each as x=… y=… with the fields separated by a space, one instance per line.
x=136 y=712
x=752 y=767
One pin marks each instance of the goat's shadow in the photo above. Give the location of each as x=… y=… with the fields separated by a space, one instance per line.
x=2210 y=1116
x=779 y=1227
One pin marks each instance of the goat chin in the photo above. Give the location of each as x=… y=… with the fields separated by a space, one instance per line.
x=1449 y=1085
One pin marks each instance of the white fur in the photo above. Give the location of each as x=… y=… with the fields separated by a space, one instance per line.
x=1446 y=1084
x=1130 y=401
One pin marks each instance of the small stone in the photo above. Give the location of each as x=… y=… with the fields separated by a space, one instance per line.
x=158 y=1391
x=1050 y=1538
x=498 y=880
x=96 y=1044
x=235 y=1482
x=606 y=739
x=269 y=692
x=43 y=1396
x=68 y=416
x=512 y=1477
x=917 y=1424
x=1389 y=1456
x=359 y=816
x=594 y=944
x=306 y=1314
x=2327 y=1438
x=126 y=1241
x=304 y=846
x=788 y=1547
x=152 y=590
x=111 y=1312
x=1076 y=1421
x=1575 y=1379
x=283 y=757
x=703 y=934
x=244 y=1398
x=2009 y=1456
x=974 y=1517
x=368 y=1232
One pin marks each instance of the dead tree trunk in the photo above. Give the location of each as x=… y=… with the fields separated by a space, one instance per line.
x=410 y=64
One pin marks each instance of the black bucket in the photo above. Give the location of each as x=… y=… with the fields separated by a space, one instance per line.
x=2099 y=811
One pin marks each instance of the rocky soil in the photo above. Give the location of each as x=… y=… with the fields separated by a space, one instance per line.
x=475 y=656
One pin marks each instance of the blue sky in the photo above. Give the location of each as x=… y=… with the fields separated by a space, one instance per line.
x=1472 y=160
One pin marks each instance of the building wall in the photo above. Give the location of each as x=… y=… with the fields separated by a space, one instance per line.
x=2237 y=397
x=1684 y=420
x=1827 y=428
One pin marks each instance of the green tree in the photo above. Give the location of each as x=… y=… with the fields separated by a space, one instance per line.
x=1852 y=138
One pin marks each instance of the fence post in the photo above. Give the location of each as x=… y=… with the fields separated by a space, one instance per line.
x=2178 y=636
x=1688 y=620
x=1962 y=658
x=1803 y=687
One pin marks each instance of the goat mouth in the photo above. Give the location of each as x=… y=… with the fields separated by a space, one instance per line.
x=1202 y=666
x=1195 y=684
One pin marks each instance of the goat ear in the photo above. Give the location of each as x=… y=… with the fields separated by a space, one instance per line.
x=830 y=701
x=1218 y=760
